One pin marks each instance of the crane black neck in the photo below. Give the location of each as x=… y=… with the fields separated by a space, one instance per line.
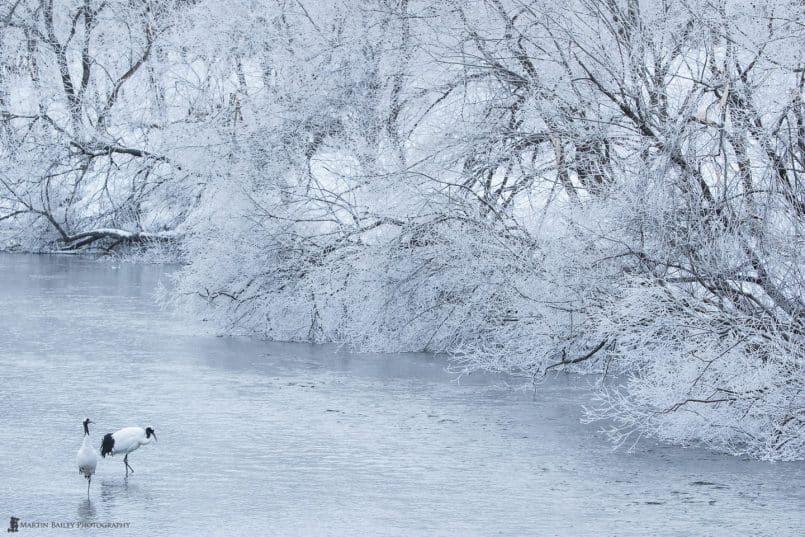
x=86 y=427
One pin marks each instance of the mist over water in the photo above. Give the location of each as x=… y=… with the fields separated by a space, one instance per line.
x=260 y=438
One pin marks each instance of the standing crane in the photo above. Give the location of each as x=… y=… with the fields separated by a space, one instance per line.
x=87 y=457
x=125 y=441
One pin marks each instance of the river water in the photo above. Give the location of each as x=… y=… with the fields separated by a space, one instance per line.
x=260 y=438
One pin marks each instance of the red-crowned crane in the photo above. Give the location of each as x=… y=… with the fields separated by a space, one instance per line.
x=125 y=441
x=87 y=457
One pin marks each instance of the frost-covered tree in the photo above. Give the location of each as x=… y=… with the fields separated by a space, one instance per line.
x=614 y=186
x=89 y=149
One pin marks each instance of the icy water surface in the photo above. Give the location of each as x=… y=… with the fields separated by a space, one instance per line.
x=281 y=439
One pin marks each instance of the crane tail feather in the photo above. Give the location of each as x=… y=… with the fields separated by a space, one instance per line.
x=107 y=445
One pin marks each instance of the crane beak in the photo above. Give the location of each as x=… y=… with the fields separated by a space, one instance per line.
x=154 y=435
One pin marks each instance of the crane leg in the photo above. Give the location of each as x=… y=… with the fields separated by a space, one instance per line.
x=89 y=482
x=128 y=466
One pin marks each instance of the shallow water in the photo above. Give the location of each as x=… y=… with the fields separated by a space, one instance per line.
x=262 y=438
